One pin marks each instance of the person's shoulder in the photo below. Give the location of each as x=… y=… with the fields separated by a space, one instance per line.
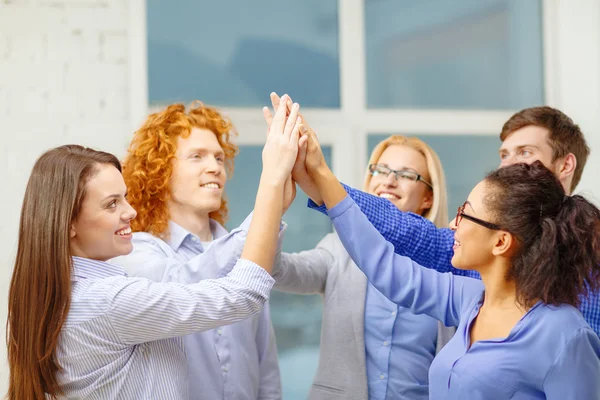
x=564 y=321
x=92 y=297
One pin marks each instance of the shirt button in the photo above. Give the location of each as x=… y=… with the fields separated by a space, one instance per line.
x=194 y=239
x=385 y=343
x=381 y=376
x=220 y=331
x=393 y=313
x=225 y=369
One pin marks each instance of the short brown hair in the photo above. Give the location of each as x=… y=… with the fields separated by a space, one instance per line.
x=564 y=135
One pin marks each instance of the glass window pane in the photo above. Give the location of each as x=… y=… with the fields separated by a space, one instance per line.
x=234 y=52
x=483 y=54
x=296 y=318
x=465 y=159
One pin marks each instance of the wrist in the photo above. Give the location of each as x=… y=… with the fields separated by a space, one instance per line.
x=272 y=181
x=321 y=174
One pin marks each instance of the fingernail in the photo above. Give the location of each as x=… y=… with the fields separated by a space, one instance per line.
x=296 y=106
x=302 y=127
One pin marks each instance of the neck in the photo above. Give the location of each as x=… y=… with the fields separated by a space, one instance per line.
x=197 y=223
x=499 y=292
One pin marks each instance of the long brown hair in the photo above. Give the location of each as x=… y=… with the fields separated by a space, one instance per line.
x=40 y=289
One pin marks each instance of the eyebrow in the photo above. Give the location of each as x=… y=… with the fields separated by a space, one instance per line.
x=204 y=150
x=520 y=147
x=470 y=205
x=114 y=196
x=401 y=168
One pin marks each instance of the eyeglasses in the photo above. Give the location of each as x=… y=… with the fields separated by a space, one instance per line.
x=378 y=169
x=461 y=214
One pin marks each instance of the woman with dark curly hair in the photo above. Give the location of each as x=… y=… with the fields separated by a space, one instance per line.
x=519 y=333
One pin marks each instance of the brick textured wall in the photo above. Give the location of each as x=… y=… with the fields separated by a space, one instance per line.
x=64 y=72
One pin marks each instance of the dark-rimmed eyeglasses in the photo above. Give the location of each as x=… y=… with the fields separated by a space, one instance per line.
x=378 y=169
x=460 y=214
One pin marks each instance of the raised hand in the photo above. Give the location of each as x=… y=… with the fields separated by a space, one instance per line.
x=281 y=147
x=299 y=172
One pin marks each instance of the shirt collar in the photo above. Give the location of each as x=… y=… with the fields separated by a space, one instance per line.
x=177 y=233
x=84 y=268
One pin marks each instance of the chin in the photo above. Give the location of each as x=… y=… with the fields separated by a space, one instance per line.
x=456 y=263
x=124 y=251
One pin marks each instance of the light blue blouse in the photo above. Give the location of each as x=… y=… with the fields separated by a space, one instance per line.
x=551 y=353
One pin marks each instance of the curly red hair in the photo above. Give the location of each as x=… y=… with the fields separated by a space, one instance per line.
x=148 y=166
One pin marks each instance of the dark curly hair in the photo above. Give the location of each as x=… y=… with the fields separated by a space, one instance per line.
x=558 y=257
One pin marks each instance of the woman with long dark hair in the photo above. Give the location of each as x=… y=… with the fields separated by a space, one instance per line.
x=77 y=326
x=520 y=335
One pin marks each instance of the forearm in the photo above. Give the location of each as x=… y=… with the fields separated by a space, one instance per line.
x=137 y=304
x=302 y=273
x=261 y=243
x=398 y=278
x=331 y=190
x=411 y=235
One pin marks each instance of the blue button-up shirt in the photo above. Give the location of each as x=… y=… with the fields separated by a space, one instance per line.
x=399 y=347
x=551 y=353
x=419 y=239
x=235 y=362
x=121 y=338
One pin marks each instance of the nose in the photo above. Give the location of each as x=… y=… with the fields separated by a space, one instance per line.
x=452 y=224
x=390 y=180
x=129 y=213
x=213 y=166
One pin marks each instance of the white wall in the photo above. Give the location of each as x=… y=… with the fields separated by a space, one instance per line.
x=64 y=78
x=572 y=51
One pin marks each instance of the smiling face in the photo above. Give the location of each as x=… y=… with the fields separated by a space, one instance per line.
x=475 y=245
x=530 y=144
x=101 y=230
x=199 y=174
x=404 y=193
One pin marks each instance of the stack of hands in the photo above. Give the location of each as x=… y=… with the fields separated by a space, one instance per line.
x=292 y=152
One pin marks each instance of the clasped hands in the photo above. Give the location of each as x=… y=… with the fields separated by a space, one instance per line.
x=309 y=161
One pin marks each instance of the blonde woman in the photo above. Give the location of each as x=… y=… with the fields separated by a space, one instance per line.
x=370 y=347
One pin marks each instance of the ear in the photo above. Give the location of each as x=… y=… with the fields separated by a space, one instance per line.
x=427 y=202
x=567 y=167
x=72 y=232
x=504 y=245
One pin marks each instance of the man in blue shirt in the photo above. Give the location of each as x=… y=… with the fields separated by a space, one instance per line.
x=175 y=171
x=538 y=133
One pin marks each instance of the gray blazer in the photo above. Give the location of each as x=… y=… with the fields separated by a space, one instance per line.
x=328 y=270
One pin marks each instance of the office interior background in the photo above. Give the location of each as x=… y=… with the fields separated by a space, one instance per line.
x=448 y=71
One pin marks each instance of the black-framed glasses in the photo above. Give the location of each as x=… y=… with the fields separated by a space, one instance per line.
x=460 y=214
x=378 y=169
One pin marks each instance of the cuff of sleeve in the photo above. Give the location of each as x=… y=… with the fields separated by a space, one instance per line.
x=314 y=206
x=253 y=276
x=321 y=208
x=340 y=207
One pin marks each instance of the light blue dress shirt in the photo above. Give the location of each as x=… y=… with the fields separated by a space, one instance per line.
x=121 y=338
x=399 y=346
x=551 y=353
x=234 y=362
